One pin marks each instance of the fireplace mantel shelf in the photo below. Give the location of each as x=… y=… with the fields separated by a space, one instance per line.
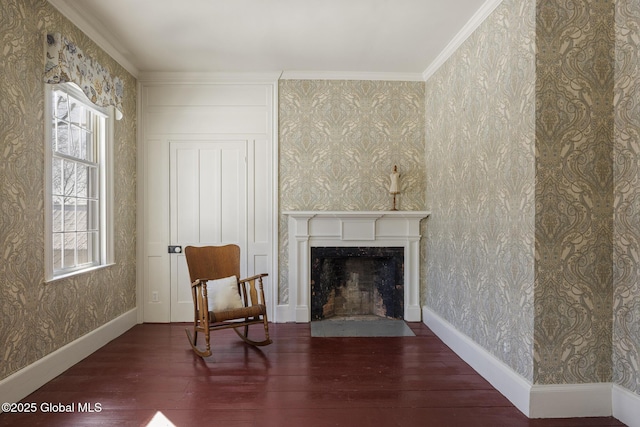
x=358 y=214
x=351 y=228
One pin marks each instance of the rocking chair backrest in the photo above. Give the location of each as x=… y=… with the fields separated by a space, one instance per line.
x=213 y=262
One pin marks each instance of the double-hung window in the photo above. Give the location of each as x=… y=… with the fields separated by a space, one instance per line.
x=78 y=183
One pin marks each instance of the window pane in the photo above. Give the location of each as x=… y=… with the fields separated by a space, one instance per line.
x=77 y=113
x=69 y=178
x=57 y=251
x=57 y=214
x=69 y=247
x=81 y=215
x=62 y=133
x=69 y=214
x=61 y=109
x=82 y=180
x=56 y=181
x=83 y=249
x=75 y=145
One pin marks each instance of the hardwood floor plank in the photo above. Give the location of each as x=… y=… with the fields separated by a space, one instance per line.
x=150 y=371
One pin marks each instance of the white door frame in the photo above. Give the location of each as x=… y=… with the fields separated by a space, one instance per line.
x=145 y=79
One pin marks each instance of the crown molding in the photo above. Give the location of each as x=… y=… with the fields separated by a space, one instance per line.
x=478 y=18
x=96 y=32
x=188 y=77
x=350 y=75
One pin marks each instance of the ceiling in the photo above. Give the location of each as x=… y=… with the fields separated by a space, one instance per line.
x=379 y=37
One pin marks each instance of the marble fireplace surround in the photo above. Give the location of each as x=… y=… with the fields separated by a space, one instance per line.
x=309 y=229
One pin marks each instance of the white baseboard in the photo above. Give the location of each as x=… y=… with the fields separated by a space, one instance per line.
x=512 y=385
x=27 y=380
x=283 y=314
x=626 y=406
x=571 y=400
x=539 y=401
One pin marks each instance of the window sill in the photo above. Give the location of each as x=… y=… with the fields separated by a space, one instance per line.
x=78 y=272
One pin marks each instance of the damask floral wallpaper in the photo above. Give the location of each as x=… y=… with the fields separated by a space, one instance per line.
x=480 y=121
x=339 y=141
x=626 y=203
x=37 y=318
x=532 y=175
x=574 y=191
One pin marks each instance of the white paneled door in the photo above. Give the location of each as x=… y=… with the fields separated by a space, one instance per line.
x=208 y=176
x=208 y=206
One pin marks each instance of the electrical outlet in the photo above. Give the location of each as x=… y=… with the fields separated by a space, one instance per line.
x=154 y=296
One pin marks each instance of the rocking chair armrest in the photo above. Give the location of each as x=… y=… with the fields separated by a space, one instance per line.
x=250 y=296
x=248 y=279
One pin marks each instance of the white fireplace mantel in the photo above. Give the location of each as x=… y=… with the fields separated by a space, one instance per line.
x=309 y=229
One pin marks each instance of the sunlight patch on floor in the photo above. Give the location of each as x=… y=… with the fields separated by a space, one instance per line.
x=159 y=420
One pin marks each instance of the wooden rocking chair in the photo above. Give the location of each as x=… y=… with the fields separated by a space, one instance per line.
x=220 y=299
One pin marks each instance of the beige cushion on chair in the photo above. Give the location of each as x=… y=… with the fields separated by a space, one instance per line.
x=223 y=294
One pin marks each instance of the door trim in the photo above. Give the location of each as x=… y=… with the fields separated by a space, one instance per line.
x=269 y=80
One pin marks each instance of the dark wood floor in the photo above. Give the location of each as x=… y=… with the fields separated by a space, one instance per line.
x=296 y=381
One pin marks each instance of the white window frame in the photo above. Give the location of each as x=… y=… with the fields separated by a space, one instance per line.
x=105 y=190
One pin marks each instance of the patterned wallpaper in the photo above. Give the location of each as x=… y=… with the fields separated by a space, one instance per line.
x=38 y=318
x=574 y=192
x=339 y=141
x=533 y=177
x=480 y=122
x=626 y=227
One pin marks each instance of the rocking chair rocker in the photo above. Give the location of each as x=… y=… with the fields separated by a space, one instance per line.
x=220 y=299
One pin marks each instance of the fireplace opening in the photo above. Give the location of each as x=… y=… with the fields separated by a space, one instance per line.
x=357 y=281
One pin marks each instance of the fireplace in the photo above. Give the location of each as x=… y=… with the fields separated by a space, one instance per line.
x=357 y=281
x=391 y=230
